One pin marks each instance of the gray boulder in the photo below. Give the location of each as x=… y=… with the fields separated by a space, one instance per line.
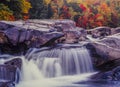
x=21 y=35
x=105 y=50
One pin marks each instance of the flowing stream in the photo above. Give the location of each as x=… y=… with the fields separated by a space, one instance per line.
x=66 y=66
x=55 y=67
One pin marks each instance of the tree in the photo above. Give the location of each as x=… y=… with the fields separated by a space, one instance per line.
x=5 y=13
x=19 y=8
x=38 y=10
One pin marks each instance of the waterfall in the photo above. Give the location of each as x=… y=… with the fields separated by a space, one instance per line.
x=55 y=66
x=30 y=70
x=61 y=61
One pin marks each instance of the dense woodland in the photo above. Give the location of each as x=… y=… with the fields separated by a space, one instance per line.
x=86 y=13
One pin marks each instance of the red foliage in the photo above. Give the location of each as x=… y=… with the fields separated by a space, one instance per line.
x=12 y=18
x=83 y=7
x=25 y=17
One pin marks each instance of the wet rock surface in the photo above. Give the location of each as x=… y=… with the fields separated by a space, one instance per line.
x=112 y=75
x=17 y=62
x=10 y=72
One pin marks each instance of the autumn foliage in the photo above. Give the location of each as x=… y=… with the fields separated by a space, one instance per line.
x=87 y=13
x=5 y=13
x=14 y=9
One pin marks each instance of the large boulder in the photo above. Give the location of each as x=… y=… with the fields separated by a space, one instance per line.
x=21 y=35
x=106 y=50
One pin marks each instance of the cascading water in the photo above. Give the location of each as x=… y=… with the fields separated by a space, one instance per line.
x=55 y=66
x=62 y=61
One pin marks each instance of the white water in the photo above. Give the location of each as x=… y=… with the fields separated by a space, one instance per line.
x=58 y=67
x=62 y=61
x=32 y=76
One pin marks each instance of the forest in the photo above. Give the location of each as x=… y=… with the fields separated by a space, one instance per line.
x=86 y=13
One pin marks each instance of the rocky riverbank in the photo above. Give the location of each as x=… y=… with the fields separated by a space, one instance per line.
x=102 y=42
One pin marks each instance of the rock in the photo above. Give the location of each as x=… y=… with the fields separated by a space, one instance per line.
x=73 y=36
x=17 y=62
x=112 y=75
x=45 y=39
x=44 y=25
x=103 y=76
x=64 y=25
x=21 y=35
x=115 y=30
x=116 y=73
x=9 y=73
x=100 y=32
x=6 y=84
x=83 y=34
x=4 y=26
x=106 y=50
x=12 y=34
x=3 y=38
